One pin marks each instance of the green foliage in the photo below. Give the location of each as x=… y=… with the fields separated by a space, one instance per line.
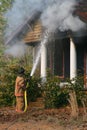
x=54 y=97
x=33 y=89
x=7 y=83
x=4 y=5
x=77 y=84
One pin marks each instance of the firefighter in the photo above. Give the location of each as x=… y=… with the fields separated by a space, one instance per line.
x=20 y=87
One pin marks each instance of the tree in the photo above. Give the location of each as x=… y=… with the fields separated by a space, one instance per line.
x=4 y=5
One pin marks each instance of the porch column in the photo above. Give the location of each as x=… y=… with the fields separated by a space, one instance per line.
x=73 y=60
x=43 y=62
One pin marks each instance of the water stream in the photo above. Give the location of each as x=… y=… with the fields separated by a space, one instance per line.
x=43 y=42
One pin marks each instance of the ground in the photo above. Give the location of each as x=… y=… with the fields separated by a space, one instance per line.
x=38 y=118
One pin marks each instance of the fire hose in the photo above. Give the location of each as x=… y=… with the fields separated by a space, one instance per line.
x=25 y=95
x=25 y=98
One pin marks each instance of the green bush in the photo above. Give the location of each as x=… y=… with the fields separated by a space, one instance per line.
x=54 y=97
x=33 y=91
x=77 y=84
x=7 y=86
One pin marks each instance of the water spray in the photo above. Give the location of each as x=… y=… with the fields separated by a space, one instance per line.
x=43 y=42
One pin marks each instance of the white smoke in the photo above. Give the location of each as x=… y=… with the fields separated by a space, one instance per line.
x=19 y=13
x=56 y=14
x=22 y=10
x=16 y=50
x=60 y=16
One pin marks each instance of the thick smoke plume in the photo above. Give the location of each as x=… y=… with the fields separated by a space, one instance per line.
x=55 y=15
x=19 y=13
x=60 y=15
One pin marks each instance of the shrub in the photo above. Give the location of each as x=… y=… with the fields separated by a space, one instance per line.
x=7 y=82
x=54 y=97
x=77 y=84
x=33 y=89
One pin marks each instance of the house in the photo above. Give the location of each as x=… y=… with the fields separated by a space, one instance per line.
x=66 y=54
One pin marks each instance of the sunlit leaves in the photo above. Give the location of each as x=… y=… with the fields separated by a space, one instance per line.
x=4 y=4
